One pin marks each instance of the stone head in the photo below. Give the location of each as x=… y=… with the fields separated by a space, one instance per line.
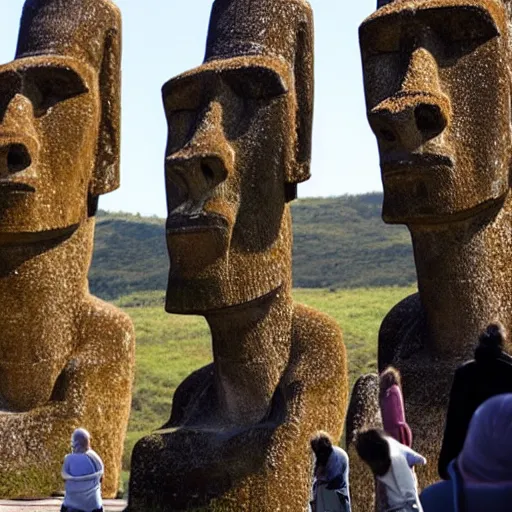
x=239 y=143
x=59 y=117
x=437 y=84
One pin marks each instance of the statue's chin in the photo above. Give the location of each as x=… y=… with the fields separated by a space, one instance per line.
x=403 y=206
x=207 y=295
x=197 y=255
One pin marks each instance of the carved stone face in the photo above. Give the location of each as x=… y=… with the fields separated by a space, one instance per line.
x=438 y=96
x=231 y=137
x=49 y=110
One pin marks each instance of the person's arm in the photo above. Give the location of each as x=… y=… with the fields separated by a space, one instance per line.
x=66 y=476
x=96 y=460
x=336 y=483
x=413 y=458
x=64 y=472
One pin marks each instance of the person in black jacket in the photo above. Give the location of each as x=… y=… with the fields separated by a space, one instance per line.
x=489 y=374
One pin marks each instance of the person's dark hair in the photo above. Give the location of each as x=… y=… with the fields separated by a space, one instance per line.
x=491 y=341
x=321 y=444
x=389 y=377
x=372 y=447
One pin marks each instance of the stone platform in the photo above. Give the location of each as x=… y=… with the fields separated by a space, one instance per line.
x=53 y=505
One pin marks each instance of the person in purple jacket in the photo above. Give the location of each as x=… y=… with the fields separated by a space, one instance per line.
x=82 y=472
x=392 y=407
x=481 y=475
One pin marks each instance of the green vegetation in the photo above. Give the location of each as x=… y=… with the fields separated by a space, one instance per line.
x=339 y=242
x=170 y=347
x=342 y=242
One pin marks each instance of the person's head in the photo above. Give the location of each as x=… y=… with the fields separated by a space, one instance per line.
x=437 y=83
x=373 y=448
x=239 y=142
x=59 y=117
x=487 y=452
x=80 y=440
x=389 y=377
x=491 y=341
x=321 y=444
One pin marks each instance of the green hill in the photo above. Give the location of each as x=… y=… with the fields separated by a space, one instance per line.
x=338 y=243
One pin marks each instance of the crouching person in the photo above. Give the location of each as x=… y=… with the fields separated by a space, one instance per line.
x=391 y=463
x=331 y=485
x=82 y=472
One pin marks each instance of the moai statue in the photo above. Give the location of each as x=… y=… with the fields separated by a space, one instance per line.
x=66 y=358
x=438 y=91
x=239 y=142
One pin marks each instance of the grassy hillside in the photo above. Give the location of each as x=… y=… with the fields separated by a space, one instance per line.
x=170 y=347
x=338 y=243
x=342 y=242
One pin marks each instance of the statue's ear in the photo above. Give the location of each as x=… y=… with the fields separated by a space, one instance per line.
x=106 y=173
x=304 y=90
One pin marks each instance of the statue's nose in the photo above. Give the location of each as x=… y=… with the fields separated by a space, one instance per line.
x=205 y=162
x=16 y=110
x=418 y=111
x=417 y=119
x=14 y=157
x=18 y=145
x=196 y=174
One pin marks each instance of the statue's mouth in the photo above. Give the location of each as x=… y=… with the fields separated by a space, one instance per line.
x=51 y=237
x=180 y=224
x=15 y=187
x=402 y=162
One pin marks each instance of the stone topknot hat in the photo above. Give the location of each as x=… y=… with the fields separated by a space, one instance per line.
x=76 y=28
x=89 y=31
x=279 y=29
x=382 y=3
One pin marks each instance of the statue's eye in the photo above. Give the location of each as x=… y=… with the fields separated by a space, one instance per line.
x=48 y=85
x=10 y=85
x=255 y=83
x=248 y=90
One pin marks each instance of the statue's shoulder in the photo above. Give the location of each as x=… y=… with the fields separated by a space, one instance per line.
x=313 y=326
x=105 y=326
x=318 y=341
x=403 y=329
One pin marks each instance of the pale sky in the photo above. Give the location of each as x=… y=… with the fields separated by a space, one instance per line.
x=162 y=38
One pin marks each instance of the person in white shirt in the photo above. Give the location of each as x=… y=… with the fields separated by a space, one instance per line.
x=82 y=472
x=391 y=462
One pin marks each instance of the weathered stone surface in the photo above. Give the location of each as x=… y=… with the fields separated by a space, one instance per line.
x=239 y=142
x=363 y=413
x=437 y=83
x=66 y=358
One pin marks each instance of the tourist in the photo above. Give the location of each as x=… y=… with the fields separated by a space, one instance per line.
x=82 y=472
x=392 y=406
x=391 y=463
x=489 y=374
x=331 y=485
x=481 y=476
